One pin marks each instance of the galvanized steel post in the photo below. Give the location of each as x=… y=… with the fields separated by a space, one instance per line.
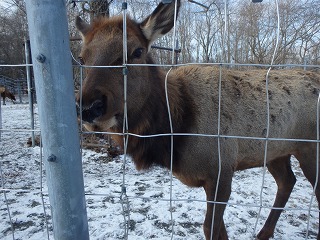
x=30 y=90
x=49 y=40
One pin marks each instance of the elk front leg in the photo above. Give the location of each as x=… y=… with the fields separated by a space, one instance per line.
x=214 y=228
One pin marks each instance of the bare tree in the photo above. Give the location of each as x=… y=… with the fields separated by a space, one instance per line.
x=13 y=30
x=256 y=29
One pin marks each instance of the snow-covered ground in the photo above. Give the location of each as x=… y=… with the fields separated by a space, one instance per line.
x=148 y=193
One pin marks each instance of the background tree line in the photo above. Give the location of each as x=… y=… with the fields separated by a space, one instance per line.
x=207 y=30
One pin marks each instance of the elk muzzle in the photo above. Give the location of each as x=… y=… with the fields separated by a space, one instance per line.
x=96 y=110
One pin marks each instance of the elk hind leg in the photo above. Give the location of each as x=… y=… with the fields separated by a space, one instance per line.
x=280 y=169
x=308 y=163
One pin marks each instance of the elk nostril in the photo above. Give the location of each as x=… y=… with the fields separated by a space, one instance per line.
x=96 y=110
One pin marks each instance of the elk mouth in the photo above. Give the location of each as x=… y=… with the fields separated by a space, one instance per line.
x=93 y=119
x=102 y=125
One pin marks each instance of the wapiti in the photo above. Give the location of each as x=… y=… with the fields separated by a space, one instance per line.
x=5 y=93
x=193 y=93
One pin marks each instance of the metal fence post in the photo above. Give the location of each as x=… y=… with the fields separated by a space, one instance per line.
x=30 y=90
x=51 y=58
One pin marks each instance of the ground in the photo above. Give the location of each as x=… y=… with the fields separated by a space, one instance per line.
x=23 y=183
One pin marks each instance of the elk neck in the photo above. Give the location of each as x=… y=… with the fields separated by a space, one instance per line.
x=153 y=118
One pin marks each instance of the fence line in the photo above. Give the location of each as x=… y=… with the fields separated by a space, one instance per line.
x=125 y=133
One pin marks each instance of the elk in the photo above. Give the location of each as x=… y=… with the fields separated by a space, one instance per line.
x=5 y=93
x=193 y=96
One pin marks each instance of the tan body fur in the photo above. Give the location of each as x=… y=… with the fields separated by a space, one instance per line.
x=194 y=104
x=293 y=96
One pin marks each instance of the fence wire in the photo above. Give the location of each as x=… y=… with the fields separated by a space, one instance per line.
x=22 y=178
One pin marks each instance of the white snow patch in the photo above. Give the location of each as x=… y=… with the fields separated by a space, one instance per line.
x=148 y=193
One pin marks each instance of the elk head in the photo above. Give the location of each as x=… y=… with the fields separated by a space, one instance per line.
x=103 y=88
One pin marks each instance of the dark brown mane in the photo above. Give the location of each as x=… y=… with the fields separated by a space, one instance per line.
x=154 y=119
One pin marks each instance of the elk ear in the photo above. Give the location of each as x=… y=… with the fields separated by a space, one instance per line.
x=82 y=26
x=160 y=21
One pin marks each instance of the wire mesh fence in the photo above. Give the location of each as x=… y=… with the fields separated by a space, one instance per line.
x=123 y=203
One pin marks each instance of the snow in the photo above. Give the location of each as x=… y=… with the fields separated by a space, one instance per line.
x=148 y=194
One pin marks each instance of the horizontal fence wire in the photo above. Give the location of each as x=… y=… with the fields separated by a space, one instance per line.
x=208 y=135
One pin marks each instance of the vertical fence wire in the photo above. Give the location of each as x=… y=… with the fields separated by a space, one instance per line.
x=123 y=197
x=170 y=118
x=219 y=153
x=268 y=116
x=171 y=152
x=4 y=190
x=42 y=193
x=225 y=31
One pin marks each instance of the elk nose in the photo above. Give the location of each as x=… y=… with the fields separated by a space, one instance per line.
x=96 y=110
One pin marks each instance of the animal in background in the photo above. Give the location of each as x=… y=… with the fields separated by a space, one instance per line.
x=5 y=93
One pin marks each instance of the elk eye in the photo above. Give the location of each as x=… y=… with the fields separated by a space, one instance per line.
x=137 y=53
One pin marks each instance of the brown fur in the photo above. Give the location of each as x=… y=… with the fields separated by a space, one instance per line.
x=194 y=105
x=5 y=93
